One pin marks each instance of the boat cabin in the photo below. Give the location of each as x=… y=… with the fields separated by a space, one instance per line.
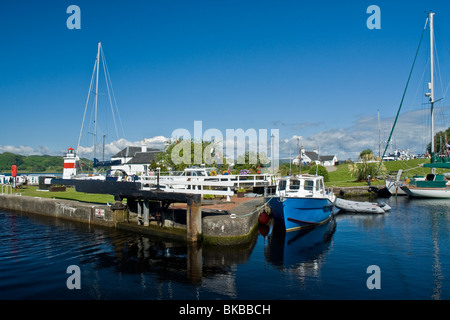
x=304 y=185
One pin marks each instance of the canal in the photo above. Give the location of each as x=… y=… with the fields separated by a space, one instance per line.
x=402 y=254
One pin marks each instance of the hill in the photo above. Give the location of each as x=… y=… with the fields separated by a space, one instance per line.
x=32 y=163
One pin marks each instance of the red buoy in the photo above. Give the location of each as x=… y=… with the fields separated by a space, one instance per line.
x=263 y=218
x=14 y=170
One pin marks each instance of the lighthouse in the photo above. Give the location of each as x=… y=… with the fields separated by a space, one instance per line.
x=70 y=166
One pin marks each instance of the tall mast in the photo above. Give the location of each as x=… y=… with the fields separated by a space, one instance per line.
x=379 y=136
x=431 y=84
x=96 y=98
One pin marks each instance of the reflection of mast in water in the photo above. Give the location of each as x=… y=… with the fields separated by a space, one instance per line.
x=437 y=270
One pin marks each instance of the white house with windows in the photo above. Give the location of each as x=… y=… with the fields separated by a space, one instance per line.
x=307 y=157
x=135 y=160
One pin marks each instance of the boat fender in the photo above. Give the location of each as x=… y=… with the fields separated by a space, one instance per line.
x=263 y=218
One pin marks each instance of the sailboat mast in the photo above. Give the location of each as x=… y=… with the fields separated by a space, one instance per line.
x=96 y=99
x=379 y=136
x=431 y=85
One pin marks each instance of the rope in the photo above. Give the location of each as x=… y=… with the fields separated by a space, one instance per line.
x=233 y=215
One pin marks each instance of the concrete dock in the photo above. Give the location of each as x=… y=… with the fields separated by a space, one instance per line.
x=222 y=222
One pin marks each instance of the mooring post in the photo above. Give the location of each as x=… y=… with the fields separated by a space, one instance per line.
x=146 y=212
x=194 y=218
x=119 y=212
x=139 y=210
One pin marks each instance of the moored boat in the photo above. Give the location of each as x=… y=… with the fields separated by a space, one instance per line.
x=393 y=185
x=302 y=202
x=434 y=185
x=361 y=206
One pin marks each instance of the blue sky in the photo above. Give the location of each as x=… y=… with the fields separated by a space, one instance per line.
x=311 y=69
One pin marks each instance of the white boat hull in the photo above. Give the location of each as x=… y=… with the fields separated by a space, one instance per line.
x=394 y=187
x=442 y=193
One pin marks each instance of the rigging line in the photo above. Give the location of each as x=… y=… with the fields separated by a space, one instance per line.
x=85 y=109
x=420 y=84
x=114 y=98
x=439 y=69
x=403 y=97
x=109 y=93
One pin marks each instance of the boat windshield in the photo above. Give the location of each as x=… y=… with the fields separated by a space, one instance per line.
x=294 y=184
x=309 y=185
x=282 y=185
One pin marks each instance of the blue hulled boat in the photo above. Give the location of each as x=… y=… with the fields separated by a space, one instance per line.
x=302 y=202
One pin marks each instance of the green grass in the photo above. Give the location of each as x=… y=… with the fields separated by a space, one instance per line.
x=341 y=177
x=69 y=194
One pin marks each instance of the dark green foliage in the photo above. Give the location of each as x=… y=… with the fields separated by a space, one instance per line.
x=440 y=140
x=30 y=163
x=321 y=171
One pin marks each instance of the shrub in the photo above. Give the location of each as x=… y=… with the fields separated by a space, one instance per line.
x=321 y=171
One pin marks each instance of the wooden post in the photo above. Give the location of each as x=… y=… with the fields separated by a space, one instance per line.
x=119 y=212
x=140 y=210
x=194 y=219
x=146 y=212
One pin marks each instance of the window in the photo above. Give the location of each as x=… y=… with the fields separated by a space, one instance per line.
x=294 y=184
x=309 y=185
x=282 y=185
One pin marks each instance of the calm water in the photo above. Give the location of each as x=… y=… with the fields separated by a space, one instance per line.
x=410 y=245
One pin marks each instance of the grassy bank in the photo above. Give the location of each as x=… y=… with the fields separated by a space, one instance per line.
x=69 y=194
x=341 y=177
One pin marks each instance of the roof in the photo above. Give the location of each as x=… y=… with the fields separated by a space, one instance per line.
x=131 y=152
x=144 y=157
x=312 y=155
x=326 y=158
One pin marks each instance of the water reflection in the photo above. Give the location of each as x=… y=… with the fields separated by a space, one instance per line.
x=410 y=243
x=303 y=249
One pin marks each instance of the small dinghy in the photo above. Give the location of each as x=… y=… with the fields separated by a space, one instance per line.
x=361 y=206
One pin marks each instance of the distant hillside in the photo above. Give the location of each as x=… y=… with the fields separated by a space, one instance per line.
x=30 y=163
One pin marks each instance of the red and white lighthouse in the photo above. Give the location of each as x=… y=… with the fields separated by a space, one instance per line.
x=70 y=164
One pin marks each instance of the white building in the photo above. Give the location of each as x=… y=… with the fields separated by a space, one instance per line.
x=135 y=160
x=307 y=157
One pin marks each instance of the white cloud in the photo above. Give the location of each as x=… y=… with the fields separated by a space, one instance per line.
x=25 y=150
x=114 y=147
x=411 y=133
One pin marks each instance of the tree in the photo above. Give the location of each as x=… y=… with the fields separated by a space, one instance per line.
x=251 y=161
x=364 y=168
x=320 y=170
x=440 y=142
x=181 y=154
x=366 y=154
